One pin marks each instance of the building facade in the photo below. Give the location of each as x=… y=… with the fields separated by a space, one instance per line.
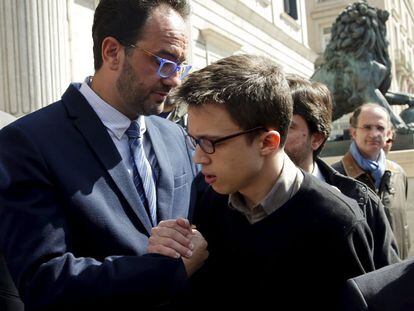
x=400 y=32
x=46 y=44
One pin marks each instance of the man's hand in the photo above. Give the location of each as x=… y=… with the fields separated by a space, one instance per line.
x=175 y=238
x=172 y=238
x=199 y=256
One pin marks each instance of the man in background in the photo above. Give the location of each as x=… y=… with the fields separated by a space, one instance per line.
x=366 y=162
x=389 y=142
x=308 y=132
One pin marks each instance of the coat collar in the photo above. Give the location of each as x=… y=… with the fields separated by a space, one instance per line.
x=93 y=130
x=165 y=186
x=353 y=170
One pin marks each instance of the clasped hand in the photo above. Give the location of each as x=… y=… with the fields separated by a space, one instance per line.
x=175 y=238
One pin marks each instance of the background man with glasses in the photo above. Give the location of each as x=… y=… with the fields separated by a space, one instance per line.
x=365 y=161
x=83 y=181
x=273 y=237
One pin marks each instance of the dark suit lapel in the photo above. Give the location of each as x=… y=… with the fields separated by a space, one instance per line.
x=166 y=177
x=96 y=135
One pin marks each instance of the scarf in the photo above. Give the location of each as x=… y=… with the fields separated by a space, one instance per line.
x=375 y=168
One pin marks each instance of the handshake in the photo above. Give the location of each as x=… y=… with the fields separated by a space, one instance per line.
x=177 y=238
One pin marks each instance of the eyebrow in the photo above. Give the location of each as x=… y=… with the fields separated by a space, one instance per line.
x=376 y=125
x=209 y=137
x=165 y=53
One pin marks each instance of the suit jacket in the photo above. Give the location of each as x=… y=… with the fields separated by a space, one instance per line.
x=9 y=298
x=72 y=227
x=387 y=289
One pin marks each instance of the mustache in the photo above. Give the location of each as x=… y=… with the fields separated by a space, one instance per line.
x=375 y=140
x=163 y=89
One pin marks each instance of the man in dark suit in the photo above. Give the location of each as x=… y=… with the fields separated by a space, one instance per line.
x=76 y=208
x=387 y=289
x=9 y=298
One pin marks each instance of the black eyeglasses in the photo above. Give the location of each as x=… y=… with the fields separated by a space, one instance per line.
x=209 y=146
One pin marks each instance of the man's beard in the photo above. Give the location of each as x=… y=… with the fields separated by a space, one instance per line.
x=300 y=154
x=132 y=93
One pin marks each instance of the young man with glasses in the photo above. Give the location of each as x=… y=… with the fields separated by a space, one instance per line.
x=85 y=179
x=273 y=238
x=366 y=162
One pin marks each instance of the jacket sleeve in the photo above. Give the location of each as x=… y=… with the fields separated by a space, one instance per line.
x=358 y=258
x=385 y=247
x=36 y=241
x=352 y=299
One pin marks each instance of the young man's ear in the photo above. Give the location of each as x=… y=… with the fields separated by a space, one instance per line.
x=112 y=52
x=270 y=142
x=317 y=139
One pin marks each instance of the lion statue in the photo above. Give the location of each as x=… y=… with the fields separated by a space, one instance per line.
x=356 y=66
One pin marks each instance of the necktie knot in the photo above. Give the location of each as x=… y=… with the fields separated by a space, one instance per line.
x=133 y=131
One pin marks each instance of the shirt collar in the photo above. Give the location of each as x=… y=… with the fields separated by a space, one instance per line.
x=116 y=122
x=317 y=172
x=286 y=186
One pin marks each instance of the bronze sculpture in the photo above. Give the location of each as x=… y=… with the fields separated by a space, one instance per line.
x=356 y=65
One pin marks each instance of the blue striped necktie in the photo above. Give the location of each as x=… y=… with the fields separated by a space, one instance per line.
x=142 y=172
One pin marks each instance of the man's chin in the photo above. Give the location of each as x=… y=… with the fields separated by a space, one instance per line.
x=220 y=190
x=371 y=154
x=160 y=108
x=154 y=108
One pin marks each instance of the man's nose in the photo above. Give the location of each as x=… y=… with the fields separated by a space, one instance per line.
x=200 y=157
x=173 y=81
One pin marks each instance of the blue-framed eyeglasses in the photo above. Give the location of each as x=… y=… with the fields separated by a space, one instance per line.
x=209 y=146
x=166 y=68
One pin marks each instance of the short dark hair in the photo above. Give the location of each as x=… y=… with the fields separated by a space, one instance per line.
x=353 y=120
x=124 y=20
x=313 y=102
x=253 y=89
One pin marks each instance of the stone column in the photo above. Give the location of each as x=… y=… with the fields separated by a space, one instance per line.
x=34 y=54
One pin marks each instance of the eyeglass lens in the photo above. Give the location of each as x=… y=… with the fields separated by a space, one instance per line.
x=204 y=144
x=167 y=69
x=368 y=127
